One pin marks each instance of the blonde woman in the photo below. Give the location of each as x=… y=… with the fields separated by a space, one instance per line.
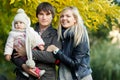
x=74 y=56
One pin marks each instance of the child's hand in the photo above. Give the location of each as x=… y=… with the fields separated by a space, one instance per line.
x=41 y=47
x=8 y=57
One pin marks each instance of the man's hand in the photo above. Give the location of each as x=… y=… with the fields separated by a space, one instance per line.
x=51 y=48
x=30 y=71
x=21 y=51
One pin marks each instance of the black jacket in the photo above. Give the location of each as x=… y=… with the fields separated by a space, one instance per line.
x=76 y=58
x=45 y=60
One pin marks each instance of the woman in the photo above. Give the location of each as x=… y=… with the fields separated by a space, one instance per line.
x=74 y=56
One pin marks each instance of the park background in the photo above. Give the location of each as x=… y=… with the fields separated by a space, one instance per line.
x=102 y=19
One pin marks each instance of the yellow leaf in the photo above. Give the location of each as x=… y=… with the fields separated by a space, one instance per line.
x=29 y=0
x=25 y=1
x=12 y=1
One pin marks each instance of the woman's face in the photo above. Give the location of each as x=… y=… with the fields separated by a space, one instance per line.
x=44 y=18
x=67 y=19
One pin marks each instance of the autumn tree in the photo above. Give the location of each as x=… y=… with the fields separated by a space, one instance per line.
x=98 y=15
x=94 y=12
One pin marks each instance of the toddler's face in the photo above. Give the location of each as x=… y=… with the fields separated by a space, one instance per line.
x=19 y=25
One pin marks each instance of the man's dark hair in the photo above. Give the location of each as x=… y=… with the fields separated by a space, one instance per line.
x=45 y=6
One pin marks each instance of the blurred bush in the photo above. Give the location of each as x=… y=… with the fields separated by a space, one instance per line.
x=7 y=69
x=105 y=60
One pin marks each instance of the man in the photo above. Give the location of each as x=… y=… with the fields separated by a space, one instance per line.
x=44 y=60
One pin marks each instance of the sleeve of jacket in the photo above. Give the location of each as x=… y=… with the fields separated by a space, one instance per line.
x=45 y=56
x=78 y=53
x=9 y=44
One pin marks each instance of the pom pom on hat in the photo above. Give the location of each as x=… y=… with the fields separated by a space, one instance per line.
x=30 y=63
x=20 y=11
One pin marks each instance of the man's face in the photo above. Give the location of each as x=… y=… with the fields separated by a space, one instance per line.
x=44 y=18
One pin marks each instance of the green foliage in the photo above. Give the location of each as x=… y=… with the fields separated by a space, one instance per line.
x=105 y=60
x=4 y=24
x=6 y=69
x=28 y=5
x=101 y=33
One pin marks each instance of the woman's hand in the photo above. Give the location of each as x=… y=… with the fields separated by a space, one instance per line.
x=51 y=48
x=21 y=51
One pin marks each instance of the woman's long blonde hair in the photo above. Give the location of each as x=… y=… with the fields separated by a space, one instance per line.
x=78 y=29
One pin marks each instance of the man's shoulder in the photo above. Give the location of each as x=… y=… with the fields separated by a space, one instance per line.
x=53 y=30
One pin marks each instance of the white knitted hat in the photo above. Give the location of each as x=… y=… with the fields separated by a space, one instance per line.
x=21 y=16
